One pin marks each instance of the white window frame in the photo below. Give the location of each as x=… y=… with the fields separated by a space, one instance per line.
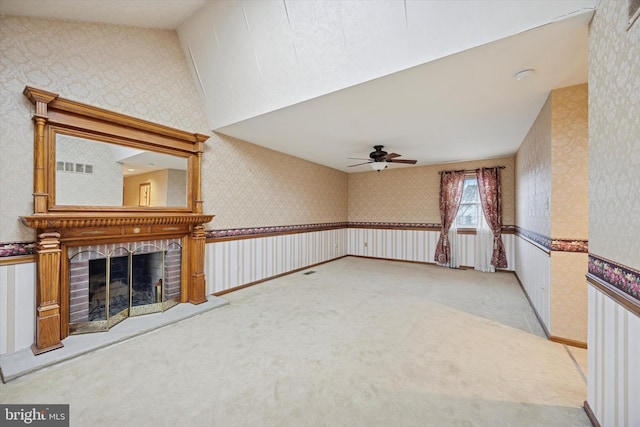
x=477 y=203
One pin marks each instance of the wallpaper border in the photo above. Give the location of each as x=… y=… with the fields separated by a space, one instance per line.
x=254 y=232
x=549 y=244
x=619 y=281
x=13 y=249
x=395 y=225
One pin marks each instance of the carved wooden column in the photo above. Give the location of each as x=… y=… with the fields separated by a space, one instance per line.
x=48 y=294
x=197 y=171
x=39 y=193
x=197 y=284
x=198 y=177
x=40 y=99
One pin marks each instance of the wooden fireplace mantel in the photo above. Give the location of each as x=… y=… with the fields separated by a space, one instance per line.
x=109 y=221
x=59 y=226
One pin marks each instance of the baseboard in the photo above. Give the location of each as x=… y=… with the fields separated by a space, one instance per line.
x=568 y=341
x=561 y=340
x=591 y=415
x=533 y=307
x=393 y=259
x=462 y=267
x=246 y=285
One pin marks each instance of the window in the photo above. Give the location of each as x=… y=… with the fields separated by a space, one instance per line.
x=469 y=211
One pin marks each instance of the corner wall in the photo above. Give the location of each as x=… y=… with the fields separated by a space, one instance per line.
x=569 y=211
x=533 y=216
x=552 y=214
x=614 y=209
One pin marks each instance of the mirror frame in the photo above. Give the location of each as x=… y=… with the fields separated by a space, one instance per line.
x=55 y=115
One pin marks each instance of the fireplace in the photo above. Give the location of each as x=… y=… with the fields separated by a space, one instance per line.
x=111 y=282
x=98 y=260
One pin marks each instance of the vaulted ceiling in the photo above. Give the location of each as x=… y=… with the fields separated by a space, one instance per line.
x=464 y=106
x=452 y=105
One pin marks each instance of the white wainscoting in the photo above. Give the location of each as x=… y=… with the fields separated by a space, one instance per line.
x=415 y=245
x=233 y=263
x=17 y=306
x=533 y=267
x=614 y=362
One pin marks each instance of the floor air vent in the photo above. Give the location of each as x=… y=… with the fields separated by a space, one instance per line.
x=308 y=273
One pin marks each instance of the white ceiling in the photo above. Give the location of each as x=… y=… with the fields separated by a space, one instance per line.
x=465 y=106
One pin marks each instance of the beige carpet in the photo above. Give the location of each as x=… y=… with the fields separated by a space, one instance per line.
x=360 y=342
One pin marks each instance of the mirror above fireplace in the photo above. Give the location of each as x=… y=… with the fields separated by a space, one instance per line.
x=92 y=159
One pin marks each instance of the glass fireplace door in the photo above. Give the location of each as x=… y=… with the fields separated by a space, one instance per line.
x=118 y=289
x=107 y=284
x=147 y=279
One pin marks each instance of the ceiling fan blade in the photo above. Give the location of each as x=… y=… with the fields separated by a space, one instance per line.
x=391 y=156
x=357 y=158
x=359 y=164
x=410 y=162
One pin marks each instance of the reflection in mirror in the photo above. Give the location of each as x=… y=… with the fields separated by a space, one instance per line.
x=93 y=173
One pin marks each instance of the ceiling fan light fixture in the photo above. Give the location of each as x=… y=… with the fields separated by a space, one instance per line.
x=378 y=166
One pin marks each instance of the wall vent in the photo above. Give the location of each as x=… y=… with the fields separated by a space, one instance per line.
x=74 y=167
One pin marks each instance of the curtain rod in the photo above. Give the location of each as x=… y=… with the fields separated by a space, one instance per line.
x=471 y=170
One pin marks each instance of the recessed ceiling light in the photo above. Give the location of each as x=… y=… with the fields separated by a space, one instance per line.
x=131 y=170
x=524 y=74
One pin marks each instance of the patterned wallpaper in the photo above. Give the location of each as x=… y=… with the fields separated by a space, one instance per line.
x=246 y=185
x=570 y=163
x=135 y=71
x=614 y=135
x=552 y=168
x=411 y=195
x=533 y=176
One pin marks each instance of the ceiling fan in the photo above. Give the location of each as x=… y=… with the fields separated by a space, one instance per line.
x=379 y=159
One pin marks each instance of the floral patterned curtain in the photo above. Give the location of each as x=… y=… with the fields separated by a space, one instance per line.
x=491 y=199
x=451 y=185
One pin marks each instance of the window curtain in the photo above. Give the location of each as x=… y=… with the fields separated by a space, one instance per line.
x=483 y=246
x=454 y=246
x=491 y=200
x=451 y=185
